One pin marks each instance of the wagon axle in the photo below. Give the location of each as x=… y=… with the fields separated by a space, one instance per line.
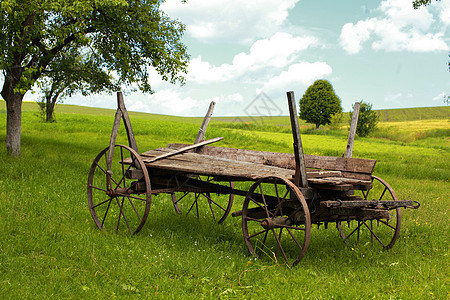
x=270 y=223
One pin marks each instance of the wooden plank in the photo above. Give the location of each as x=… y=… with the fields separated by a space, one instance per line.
x=300 y=169
x=206 y=119
x=184 y=149
x=356 y=165
x=287 y=161
x=193 y=163
x=352 y=132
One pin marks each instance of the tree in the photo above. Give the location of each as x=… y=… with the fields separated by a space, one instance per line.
x=126 y=36
x=367 y=119
x=419 y=3
x=319 y=103
x=70 y=73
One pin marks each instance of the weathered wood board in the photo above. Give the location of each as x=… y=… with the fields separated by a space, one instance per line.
x=350 y=167
x=237 y=170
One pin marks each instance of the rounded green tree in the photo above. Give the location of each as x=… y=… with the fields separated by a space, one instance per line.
x=319 y=103
x=367 y=119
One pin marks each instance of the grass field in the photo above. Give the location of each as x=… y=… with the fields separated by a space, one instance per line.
x=51 y=248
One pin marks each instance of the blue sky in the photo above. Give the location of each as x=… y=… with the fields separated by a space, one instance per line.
x=383 y=52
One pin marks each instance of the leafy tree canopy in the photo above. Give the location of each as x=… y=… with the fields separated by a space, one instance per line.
x=126 y=36
x=419 y=3
x=319 y=103
x=69 y=73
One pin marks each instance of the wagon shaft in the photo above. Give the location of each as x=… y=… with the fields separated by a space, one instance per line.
x=370 y=203
x=346 y=214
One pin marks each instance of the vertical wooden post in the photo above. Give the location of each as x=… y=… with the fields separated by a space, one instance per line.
x=202 y=130
x=127 y=122
x=121 y=114
x=352 y=133
x=300 y=168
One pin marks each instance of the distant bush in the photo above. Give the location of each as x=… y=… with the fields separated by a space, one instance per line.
x=367 y=120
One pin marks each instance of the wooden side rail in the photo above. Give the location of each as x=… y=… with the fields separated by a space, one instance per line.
x=348 y=166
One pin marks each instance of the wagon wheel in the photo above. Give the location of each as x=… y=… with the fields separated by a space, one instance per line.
x=276 y=220
x=218 y=206
x=383 y=232
x=114 y=200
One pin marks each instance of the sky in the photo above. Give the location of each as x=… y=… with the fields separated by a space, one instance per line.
x=247 y=53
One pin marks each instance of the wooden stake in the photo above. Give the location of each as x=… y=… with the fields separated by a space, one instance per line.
x=202 y=130
x=121 y=114
x=352 y=133
x=300 y=169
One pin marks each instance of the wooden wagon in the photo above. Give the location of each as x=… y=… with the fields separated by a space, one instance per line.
x=289 y=191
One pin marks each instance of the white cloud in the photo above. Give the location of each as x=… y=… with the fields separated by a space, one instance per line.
x=398 y=100
x=400 y=28
x=445 y=13
x=173 y=102
x=276 y=52
x=301 y=74
x=440 y=98
x=353 y=35
x=230 y=20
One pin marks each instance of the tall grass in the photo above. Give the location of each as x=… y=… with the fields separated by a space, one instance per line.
x=50 y=247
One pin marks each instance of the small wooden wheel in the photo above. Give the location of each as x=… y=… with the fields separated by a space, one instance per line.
x=382 y=232
x=115 y=201
x=276 y=220
x=218 y=206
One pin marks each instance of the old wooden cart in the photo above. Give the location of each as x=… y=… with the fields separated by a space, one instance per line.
x=288 y=192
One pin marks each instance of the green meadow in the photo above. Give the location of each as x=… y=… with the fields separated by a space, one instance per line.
x=51 y=248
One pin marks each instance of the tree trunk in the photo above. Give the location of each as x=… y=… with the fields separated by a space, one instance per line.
x=14 y=112
x=13 y=123
x=49 y=110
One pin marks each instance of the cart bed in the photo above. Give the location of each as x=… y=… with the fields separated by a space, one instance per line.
x=224 y=169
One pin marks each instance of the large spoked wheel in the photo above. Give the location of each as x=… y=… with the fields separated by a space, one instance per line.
x=115 y=201
x=276 y=220
x=216 y=205
x=382 y=232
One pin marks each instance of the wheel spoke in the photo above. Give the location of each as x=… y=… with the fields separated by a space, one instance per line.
x=374 y=235
x=184 y=195
x=387 y=224
x=278 y=244
x=103 y=202
x=258 y=233
x=264 y=200
x=263 y=243
x=354 y=230
x=293 y=237
x=134 y=208
x=208 y=198
x=106 y=212
x=97 y=188
x=252 y=219
x=382 y=194
x=281 y=248
x=122 y=213
x=193 y=203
